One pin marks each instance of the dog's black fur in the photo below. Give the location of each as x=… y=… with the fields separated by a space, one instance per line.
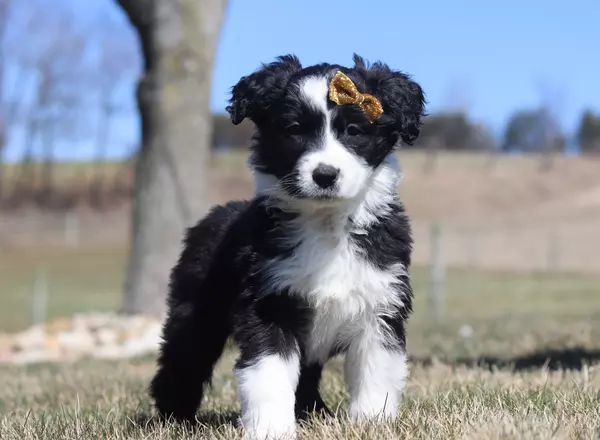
x=220 y=286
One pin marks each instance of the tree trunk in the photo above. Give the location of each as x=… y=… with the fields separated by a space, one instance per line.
x=178 y=40
x=46 y=192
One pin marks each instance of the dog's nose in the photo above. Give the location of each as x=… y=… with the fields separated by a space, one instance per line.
x=325 y=175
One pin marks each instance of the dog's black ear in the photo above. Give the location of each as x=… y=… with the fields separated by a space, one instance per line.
x=252 y=95
x=402 y=99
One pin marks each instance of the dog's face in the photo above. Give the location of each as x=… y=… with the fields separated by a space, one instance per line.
x=309 y=146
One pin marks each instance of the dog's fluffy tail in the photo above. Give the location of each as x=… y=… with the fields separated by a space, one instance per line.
x=199 y=320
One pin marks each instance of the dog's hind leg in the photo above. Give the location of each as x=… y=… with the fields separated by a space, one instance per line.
x=192 y=345
x=308 y=398
x=201 y=297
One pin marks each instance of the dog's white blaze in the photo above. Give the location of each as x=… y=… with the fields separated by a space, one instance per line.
x=354 y=171
x=315 y=90
x=267 y=395
x=375 y=377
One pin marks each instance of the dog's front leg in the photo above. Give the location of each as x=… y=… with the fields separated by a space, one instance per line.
x=267 y=371
x=375 y=371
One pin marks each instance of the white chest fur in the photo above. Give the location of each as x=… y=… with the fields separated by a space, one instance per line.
x=335 y=276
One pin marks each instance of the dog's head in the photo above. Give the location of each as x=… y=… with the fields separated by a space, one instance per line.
x=312 y=146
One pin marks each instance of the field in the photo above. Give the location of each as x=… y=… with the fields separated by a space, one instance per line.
x=516 y=354
x=491 y=369
x=507 y=214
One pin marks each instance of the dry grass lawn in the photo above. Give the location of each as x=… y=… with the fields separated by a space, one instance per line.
x=109 y=401
x=529 y=369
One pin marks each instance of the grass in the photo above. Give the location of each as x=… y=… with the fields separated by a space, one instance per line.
x=92 y=400
x=77 y=280
x=91 y=278
x=506 y=380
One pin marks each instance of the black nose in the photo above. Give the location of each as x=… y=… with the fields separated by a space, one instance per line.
x=325 y=175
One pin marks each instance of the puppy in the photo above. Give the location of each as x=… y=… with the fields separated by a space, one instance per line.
x=315 y=265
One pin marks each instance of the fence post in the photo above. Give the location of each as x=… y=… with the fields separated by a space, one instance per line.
x=71 y=229
x=553 y=250
x=39 y=298
x=473 y=247
x=437 y=273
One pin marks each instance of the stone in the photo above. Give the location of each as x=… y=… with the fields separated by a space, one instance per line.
x=106 y=336
x=98 y=335
x=59 y=325
x=80 y=342
x=30 y=339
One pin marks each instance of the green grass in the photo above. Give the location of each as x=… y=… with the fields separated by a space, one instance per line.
x=521 y=325
x=77 y=280
x=90 y=279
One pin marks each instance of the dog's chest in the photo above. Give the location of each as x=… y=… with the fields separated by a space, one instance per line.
x=345 y=290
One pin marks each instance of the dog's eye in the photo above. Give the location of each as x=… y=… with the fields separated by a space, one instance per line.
x=294 y=128
x=353 y=130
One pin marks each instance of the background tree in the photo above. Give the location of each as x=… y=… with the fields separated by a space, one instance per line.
x=227 y=135
x=45 y=97
x=588 y=133
x=451 y=131
x=178 y=40
x=532 y=131
x=57 y=71
x=116 y=62
x=553 y=98
x=454 y=131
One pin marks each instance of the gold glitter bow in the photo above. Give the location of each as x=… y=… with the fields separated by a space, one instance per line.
x=343 y=91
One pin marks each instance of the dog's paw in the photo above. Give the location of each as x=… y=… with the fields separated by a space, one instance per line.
x=275 y=429
x=270 y=433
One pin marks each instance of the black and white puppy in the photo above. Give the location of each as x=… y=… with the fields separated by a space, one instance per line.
x=315 y=265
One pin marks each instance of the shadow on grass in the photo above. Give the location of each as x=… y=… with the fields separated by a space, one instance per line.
x=553 y=359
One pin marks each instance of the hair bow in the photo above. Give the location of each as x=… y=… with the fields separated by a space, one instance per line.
x=343 y=91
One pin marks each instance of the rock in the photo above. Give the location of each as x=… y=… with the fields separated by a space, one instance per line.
x=466 y=331
x=98 y=335
x=96 y=321
x=145 y=343
x=52 y=343
x=106 y=336
x=59 y=325
x=79 y=342
x=6 y=348
x=31 y=339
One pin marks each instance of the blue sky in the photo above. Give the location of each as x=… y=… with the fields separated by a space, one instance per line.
x=490 y=58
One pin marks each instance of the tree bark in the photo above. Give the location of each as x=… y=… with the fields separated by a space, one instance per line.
x=178 y=39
